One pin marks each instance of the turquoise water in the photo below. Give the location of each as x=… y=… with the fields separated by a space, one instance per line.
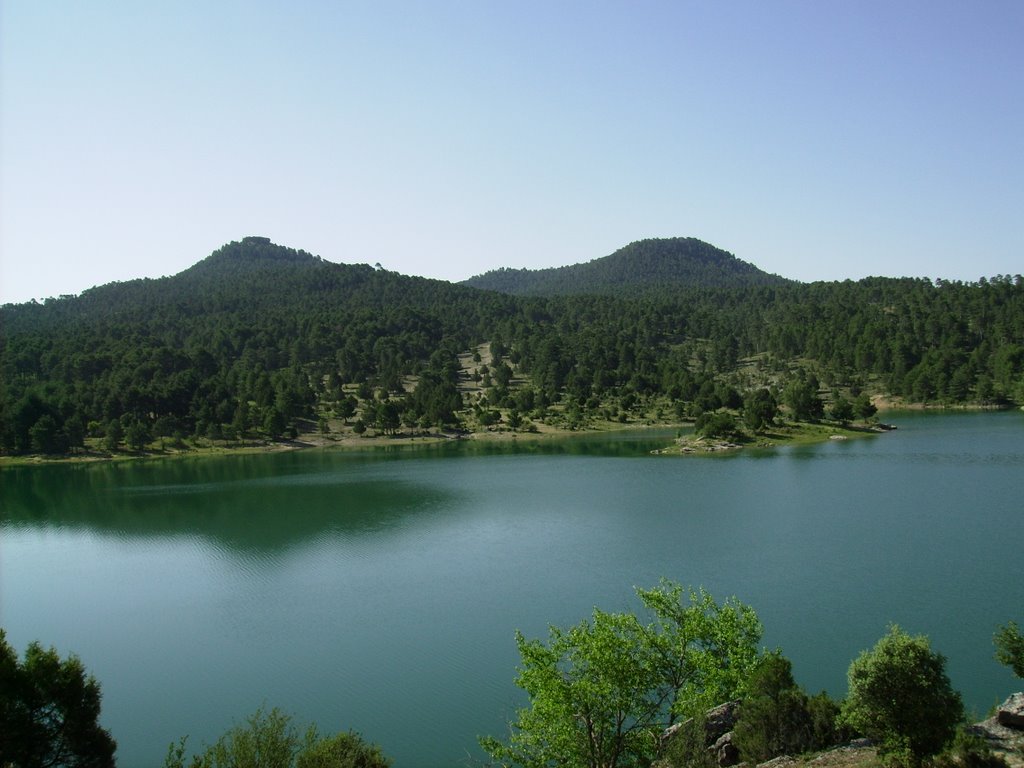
x=381 y=590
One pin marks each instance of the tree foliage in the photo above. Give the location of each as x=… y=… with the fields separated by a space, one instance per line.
x=271 y=739
x=1010 y=647
x=778 y=718
x=899 y=694
x=257 y=336
x=602 y=692
x=715 y=425
x=760 y=409
x=342 y=750
x=49 y=712
x=801 y=397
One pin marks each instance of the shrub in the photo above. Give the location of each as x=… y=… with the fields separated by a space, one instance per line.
x=827 y=730
x=900 y=696
x=713 y=424
x=272 y=740
x=1010 y=647
x=969 y=751
x=773 y=719
x=778 y=718
x=342 y=750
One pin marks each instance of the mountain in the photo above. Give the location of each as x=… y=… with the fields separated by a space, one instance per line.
x=643 y=266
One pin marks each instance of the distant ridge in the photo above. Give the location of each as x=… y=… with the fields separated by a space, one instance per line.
x=643 y=266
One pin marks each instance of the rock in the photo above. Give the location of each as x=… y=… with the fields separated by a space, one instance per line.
x=1011 y=712
x=720 y=720
x=1005 y=741
x=726 y=753
x=859 y=743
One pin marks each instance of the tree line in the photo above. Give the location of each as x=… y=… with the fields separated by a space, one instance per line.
x=257 y=337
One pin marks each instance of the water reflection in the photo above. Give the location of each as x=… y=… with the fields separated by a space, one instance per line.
x=369 y=589
x=243 y=505
x=269 y=502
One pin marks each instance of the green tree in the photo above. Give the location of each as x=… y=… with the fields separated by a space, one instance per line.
x=899 y=694
x=778 y=718
x=342 y=750
x=346 y=408
x=45 y=436
x=240 y=418
x=827 y=727
x=49 y=712
x=842 y=410
x=705 y=650
x=774 y=718
x=715 y=424
x=863 y=407
x=275 y=422
x=488 y=417
x=515 y=419
x=1010 y=647
x=801 y=396
x=164 y=427
x=388 y=417
x=137 y=435
x=75 y=432
x=602 y=692
x=270 y=739
x=114 y=436
x=267 y=740
x=759 y=409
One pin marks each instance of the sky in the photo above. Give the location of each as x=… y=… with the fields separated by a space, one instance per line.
x=818 y=140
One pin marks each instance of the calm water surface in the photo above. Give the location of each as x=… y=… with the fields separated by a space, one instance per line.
x=380 y=591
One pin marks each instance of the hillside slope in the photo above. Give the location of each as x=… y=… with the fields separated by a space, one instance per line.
x=652 y=265
x=257 y=336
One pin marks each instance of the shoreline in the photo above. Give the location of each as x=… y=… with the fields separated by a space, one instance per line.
x=787 y=433
x=343 y=442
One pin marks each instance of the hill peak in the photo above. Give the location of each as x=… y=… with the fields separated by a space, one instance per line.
x=642 y=266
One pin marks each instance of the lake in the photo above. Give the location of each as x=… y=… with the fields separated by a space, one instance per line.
x=380 y=590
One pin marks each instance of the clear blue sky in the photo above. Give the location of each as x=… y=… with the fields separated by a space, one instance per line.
x=819 y=140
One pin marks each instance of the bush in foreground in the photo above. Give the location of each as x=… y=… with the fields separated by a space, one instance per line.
x=49 y=712
x=969 y=750
x=900 y=696
x=778 y=718
x=272 y=740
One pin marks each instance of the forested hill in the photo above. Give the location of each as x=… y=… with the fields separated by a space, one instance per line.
x=644 y=266
x=251 y=279
x=258 y=338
